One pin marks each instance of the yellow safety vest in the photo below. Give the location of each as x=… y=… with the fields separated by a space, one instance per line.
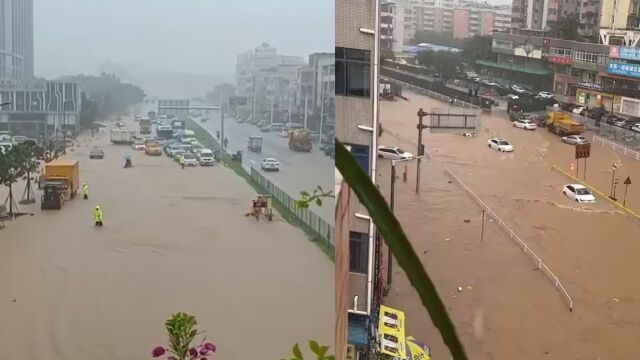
x=85 y=189
x=98 y=215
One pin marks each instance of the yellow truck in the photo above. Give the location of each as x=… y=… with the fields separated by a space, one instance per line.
x=64 y=173
x=300 y=140
x=563 y=124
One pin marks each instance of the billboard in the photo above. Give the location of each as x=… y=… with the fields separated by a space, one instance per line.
x=391 y=328
x=453 y=120
x=631 y=70
x=621 y=52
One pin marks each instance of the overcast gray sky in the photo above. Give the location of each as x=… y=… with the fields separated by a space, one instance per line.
x=187 y=36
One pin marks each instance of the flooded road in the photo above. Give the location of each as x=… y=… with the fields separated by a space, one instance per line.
x=174 y=240
x=508 y=309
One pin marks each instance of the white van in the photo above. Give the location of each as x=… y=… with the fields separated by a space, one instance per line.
x=293 y=126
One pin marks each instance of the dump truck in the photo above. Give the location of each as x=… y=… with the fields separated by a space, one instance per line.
x=563 y=124
x=300 y=140
x=65 y=174
x=119 y=136
x=255 y=144
x=145 y=126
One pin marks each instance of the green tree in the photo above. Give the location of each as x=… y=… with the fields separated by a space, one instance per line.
x=11 y=170
x=29 y=155
x=478 y=48
x=445 y=64
x=425 y=58
x=566 y=28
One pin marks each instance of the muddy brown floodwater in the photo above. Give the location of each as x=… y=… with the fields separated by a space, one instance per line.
x=174 y=240
x=508 y=309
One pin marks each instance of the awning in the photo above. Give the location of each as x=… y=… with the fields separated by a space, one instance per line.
x=357 y=332
x=601 y=74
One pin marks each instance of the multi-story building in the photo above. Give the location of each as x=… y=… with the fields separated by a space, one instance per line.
x=541 y=15
x=16 y=40
x=472 y=21
x=40 y=108
x=620 y=22
x=593 y=74
x=260 y=74
x=387 y=24
x=356 y=126
x=220 y=94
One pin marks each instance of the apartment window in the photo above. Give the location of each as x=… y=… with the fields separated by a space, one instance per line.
x=361 y=154
x=353 y=72
x=358 y=252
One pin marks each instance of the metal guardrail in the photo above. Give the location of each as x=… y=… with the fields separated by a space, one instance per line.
x=309 y=218
x=616 y=147
x=527 y=250
x=433 y=94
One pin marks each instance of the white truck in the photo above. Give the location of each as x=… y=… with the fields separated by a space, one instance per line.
x=119 y=136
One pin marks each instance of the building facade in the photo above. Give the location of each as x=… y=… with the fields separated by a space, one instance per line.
x=620 y=23
x=268 y=79
x=16 y=40
x=220 y=94
x=40 y=108
x=356 y=127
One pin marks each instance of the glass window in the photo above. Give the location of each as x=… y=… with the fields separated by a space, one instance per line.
x=361 y=155
x=352 y=71
x=358 y=252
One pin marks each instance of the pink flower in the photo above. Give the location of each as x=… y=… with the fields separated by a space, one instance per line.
x=204 y=358
x=209 y=346
x=193 y=353
x=157 y=351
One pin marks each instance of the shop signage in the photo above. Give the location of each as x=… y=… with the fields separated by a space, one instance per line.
x=590 y=85
x=391 y=329
x=631 y=70
x=620 y=52
x=560 y=60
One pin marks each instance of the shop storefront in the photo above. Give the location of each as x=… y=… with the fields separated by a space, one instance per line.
x=629 y=106
x=564 y=84
x=594 y=97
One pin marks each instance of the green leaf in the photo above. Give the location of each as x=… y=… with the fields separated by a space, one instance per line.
x=314 y=347
x=296 y=352
x=323 y=350
x=304 y=193
x=400 y=247
x=330 y=357
x=319 y=201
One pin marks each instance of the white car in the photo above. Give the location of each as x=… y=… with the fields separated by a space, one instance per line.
x=138 y=145
x=270 y=164
x=393 y=153
x=512 y=97
x=189 y=159
x=525 y=124
x=579 y=110
x=574 y=140
x=636 y=128
x=283 y=134
x=578 y=193
x=205 y=157
x=518 y=89
x=500 y=145
x=546 y=95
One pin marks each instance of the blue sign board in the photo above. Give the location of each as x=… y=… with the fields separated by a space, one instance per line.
x=631 y=70
x=629 y=53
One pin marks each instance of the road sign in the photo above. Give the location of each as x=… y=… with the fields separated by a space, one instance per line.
x=238 y=100
x=627 y=181
x=583 y=151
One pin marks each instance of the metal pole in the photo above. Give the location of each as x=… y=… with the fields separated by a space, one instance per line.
x=306 y=103
x=391 y=205
x=624 y=199
x=222 y=125
x=271 y=120
x=321 y=109
x=584 y=173
x=613 y=175
x=482 y=230
x=420 y=126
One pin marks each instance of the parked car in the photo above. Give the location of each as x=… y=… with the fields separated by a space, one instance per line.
x=283 y=134
x=270 y=164
x=578 y=193
x=525 y=124
x=189 y=159
x=574 y=140
x=278 y=126
x=500 y=145
x=96 y=154
x=636 y=128
x=512 y=97
x=153 y=149
x=546 y=94
x=393 y=153
x=579 y=110
x=137 y=145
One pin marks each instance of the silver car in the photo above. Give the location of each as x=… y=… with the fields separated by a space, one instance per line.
x=574 y=140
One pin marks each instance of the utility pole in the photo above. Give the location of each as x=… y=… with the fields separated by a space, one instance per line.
x=306 y=103
x=321 y=109
x=271 y=120
x=222 y=125
x=421 y=127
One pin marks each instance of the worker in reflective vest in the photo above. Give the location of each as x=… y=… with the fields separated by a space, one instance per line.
x=97 y=215
x=85 y=191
